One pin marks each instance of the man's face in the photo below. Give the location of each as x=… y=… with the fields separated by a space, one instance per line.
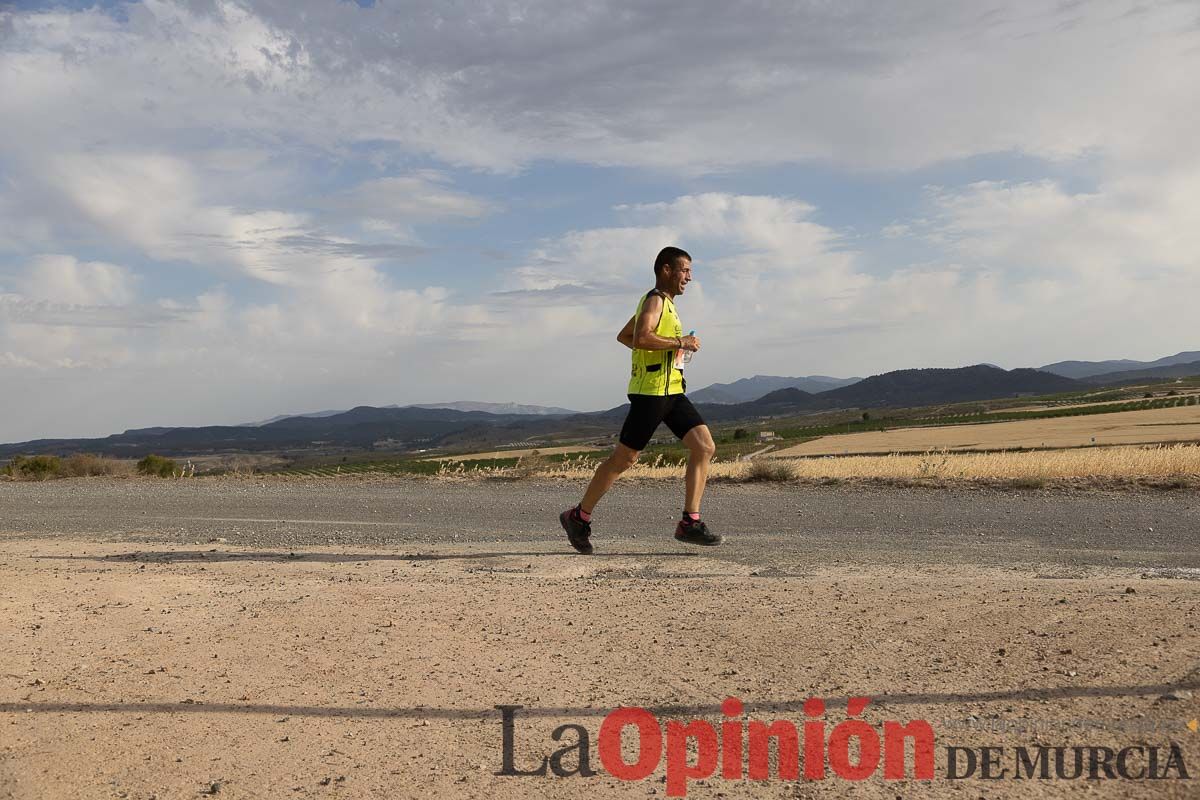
x=681 y=275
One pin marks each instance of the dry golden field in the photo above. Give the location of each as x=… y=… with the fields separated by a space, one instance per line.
x=1153 y=445
x=544 y=451
x=1154 y=462
x=1178 y=424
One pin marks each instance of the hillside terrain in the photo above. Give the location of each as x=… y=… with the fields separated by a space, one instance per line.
x=417 y=429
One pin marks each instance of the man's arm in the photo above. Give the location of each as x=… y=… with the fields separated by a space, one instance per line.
x=644 y=337
x=625 y=337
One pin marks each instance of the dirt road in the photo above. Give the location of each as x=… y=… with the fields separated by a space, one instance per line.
x=353 y=637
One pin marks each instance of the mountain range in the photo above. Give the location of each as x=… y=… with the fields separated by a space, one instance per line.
x=904 y=388
x=428 y=426
x=458 y=405
x=1087 y=369
x=362 y=428
x=746 y=389
x=919 y=387
x=1134 y=375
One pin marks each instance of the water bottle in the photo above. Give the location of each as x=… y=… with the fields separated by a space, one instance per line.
x=687 y=354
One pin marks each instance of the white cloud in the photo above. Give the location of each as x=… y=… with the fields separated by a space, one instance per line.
x=216 y=359
x=421 y=196
x=153 y=205
x=183 y=138
x=63 y=279
x=1122 y=224
x=618 y=82
x=1104 y=273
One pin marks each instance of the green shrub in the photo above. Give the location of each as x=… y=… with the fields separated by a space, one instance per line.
x=36 y=468
x=157 y=465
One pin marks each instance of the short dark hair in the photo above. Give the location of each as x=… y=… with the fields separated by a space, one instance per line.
x=669 y=257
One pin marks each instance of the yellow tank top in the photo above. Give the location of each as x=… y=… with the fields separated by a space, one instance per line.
x=658 y=372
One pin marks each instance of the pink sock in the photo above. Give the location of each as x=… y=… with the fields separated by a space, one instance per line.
x=583 y=515
x=693 y=516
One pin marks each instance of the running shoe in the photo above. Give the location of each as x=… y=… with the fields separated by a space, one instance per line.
x=696 y=533
x=578 y=531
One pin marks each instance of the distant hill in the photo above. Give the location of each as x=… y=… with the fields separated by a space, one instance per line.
x=497 y=408
x=1083 y=369
x=782 y=396
x=1171 y=371
x=746 y=389
x=906 y=388
x=1087 y=369
x=777 y=403
x=458 y=405
x=1186 y=357
x=919 y=387
x=310 y=414
x=148 y=431
x=361 y=428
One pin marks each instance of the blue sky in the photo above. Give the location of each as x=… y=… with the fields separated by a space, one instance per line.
x=215 y=211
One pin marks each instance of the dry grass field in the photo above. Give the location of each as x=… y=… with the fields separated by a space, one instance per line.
x=1180 y=462
x=544 y=451
x=1181 y=423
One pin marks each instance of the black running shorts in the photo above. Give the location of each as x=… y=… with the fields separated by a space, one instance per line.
x=646 y=411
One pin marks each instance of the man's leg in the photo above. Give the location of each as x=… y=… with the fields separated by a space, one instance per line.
x=606 y=475
x=701 y=449
x=645 y=413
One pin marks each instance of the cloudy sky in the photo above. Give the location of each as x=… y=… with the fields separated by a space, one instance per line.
x=214 y=211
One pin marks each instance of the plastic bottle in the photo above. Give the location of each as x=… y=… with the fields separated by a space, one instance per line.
x=687 y=354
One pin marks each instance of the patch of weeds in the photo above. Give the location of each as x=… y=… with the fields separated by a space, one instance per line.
x=1028 y=482
x=770 y=470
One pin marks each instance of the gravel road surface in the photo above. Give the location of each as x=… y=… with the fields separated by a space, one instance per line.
x=354 y=637
x=781 y=527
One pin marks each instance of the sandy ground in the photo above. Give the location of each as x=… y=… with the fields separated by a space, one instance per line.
x=1179 y=424
x=136 y=663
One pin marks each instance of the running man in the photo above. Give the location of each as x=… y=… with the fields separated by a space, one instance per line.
x=656 y=394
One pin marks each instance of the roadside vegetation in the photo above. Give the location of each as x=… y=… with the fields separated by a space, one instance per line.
x=528 y=464
x=1163 y=466
x=41 y=468
x=81 y=465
